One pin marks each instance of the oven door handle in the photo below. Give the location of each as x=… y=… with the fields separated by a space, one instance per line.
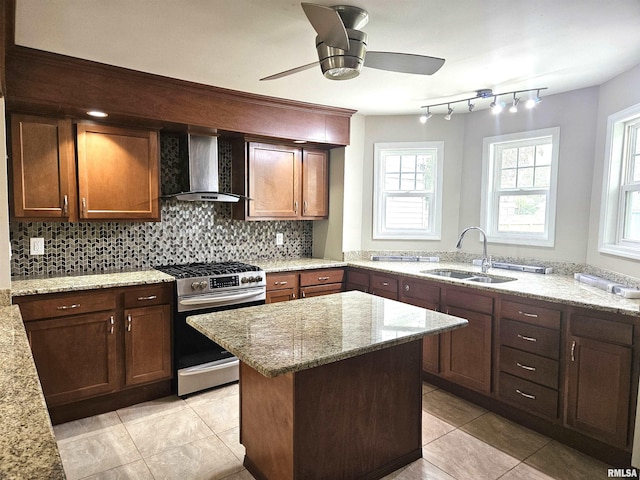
x=213 y=299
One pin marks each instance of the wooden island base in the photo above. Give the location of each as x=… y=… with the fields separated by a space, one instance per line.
x=359 y=418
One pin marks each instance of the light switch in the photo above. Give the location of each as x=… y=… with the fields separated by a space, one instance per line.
x=36 y=246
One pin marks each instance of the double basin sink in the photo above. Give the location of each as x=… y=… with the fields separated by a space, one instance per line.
x=468 y=276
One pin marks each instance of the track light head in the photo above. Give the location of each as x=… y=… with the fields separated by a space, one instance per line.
x=514 y=105
x=496 y=107
x=426 y=116
x=471 y=106
x=532 y=102
x=448 y=115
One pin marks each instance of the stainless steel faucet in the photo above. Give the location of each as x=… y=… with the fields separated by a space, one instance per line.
x=486 y=259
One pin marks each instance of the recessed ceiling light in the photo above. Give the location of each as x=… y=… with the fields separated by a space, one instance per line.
x=97 y=113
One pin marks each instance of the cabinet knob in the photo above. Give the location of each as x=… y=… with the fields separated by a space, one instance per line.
x=406 y=288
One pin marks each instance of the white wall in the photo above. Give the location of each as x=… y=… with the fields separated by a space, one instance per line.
x=5 y=268
x=407 y=128
x=575 y=113
x=615 y=95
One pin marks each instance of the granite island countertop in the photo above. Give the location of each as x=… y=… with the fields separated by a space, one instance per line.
x=285 y=337
x=28 y=448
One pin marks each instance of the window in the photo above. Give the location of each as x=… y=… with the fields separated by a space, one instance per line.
x=620 y=214
x=407 y=190
x=519 y=187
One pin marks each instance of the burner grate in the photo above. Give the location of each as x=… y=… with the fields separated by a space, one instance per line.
x=189 y=270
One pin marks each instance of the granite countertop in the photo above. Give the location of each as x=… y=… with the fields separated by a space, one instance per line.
x=550 y=287
x=28 y=448
x=284 y=337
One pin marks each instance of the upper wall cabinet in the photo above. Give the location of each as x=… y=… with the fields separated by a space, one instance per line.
x=43 y=164
x=117 y=174
x=282 y=182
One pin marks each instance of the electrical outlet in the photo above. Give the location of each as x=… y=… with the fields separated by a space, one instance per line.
x=36 y=245
x=279 y=239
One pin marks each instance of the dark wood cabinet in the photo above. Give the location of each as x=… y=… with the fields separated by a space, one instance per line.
x=91 y=344
x=118 y=173
x=75 y=356
x=384 y=285
x=599 y=365
x=282 y=182
x=357 y=279
x=321 y=282
x=43 y=169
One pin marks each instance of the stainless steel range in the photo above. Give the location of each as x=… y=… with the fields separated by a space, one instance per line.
x=203 y=288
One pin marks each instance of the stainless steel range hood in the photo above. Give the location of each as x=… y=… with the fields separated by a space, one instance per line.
x=198 y=179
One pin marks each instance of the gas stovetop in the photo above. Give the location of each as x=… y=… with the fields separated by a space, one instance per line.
x=192 y=270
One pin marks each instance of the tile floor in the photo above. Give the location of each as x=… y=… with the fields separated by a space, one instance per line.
x=197 y=438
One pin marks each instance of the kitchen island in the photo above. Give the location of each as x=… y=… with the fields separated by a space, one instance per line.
x=330 y=387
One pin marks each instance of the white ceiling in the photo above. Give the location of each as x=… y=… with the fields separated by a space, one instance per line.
x=504 y=45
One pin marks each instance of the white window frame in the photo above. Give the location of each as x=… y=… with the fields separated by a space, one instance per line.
x=434 y=233
x=614 y=187
x=489 y=203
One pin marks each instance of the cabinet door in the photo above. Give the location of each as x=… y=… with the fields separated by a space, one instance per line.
x=147 y=344
x=318 y=290
x=466 y=352
x=273 y=181
x=43 y=168
x=118 y=174
x=75 y=356
x=599 y=378
x=283 y=295
x=315 y=184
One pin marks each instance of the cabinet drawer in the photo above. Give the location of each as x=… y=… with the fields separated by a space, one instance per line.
x=530 y=338
x=384 y=283
x=357 y=278
x=320 y=277
x=528 y=395
x=65 y=305
x=468 y=301
x=147 y=296
x=540 y=316
x=317 y=290
x=603 y=330
x=419 y=292
x=529 y=366
x=278 y=281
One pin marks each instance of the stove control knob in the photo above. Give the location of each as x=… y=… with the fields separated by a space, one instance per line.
x=258 y=278
x=244 y=280
x=203 y=284
x=195 y=286
x=251 y=279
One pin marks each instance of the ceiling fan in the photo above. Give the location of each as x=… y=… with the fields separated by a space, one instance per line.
x=342 y=46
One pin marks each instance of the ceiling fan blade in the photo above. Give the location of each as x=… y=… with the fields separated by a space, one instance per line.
x=291 y=72
x=403 y=62
x=328 y=24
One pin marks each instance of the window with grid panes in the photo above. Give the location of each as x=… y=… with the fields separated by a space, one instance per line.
x=407 y=190
x=620 y=214
x=519 y=190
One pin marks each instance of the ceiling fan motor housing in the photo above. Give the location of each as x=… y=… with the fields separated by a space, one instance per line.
x=338 y=64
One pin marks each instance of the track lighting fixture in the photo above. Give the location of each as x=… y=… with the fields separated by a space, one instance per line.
x=496 y=106
x=448 y=115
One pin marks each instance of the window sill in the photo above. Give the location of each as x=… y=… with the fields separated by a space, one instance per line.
x=620 y=251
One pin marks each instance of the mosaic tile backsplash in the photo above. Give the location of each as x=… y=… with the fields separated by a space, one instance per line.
x=188 y=232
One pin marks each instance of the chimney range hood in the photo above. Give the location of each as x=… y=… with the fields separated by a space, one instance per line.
x=198 y=176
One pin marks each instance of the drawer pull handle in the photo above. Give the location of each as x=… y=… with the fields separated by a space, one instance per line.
x=323 y=279
x=111 y=322
x=68 y=307
x=295 y=207
x=532 y=315
x=129 y=322
x=150 y=297
x=526 y=367
x=65 y=205
x=385 y=284
x=573 y=351
x=305 y=206
x=84 y=207
x=525 y=395
x=528 y=339
x=280 y=283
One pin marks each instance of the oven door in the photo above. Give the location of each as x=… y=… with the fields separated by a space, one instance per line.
x=211 y=302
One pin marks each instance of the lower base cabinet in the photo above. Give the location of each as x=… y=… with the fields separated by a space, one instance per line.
x=91 y=354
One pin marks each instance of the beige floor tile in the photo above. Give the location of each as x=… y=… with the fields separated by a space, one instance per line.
x=449 y=408
x=511 y=438
x=213 y=394
x=427 y=387
x=564 y=463
x=103 y=450
x=231 y=438
x=131 y=471
x=146 y=410
x=206 y=459
x=84 y=426
x=419 y=470
x=162 y=432
x=433 y=427
x=522 y=471
x=220 y=414
x=241 y=475
x=465 y=457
